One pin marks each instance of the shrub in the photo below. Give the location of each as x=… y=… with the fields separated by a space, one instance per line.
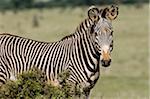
x=33 y=85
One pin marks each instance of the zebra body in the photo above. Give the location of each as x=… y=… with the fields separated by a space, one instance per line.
x=80 y=53
x=20 y=54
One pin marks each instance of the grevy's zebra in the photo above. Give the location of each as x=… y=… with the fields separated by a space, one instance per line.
x=79 y=53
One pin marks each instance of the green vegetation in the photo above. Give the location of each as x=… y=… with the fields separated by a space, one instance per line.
x=127 y=77
x=33 y=85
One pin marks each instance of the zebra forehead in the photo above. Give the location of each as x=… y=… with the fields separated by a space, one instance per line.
x=103 y=25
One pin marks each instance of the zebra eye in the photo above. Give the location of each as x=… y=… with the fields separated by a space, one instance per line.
x=96 y=34
x=111 y=33
x=92 y=29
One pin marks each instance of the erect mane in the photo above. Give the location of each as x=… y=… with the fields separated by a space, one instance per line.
x=79 y=28
x=68 y=36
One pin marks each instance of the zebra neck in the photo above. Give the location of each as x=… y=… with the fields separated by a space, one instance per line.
x=84 y=27
x=87 y=52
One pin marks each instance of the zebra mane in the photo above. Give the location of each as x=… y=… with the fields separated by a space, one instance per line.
x=83 y=26
x=68 y=36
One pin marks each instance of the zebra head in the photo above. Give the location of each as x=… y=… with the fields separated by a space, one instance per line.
x=102 y=31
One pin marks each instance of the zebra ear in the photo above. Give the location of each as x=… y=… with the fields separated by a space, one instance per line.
x=93 y=13
x=110 y=13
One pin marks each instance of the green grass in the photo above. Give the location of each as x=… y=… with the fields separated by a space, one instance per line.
x=127 y=78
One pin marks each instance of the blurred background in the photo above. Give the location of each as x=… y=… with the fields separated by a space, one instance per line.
x=50 y=20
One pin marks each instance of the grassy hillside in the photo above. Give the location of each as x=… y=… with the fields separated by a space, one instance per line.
x=127 y=78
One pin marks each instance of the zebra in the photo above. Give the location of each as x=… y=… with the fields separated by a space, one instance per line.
x=80 y=53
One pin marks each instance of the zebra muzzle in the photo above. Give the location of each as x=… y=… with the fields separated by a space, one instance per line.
x=106 y=59
x=105 y=63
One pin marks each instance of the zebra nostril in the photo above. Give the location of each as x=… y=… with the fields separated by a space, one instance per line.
x=105 y=63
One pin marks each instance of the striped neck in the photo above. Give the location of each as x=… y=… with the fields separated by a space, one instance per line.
x=84 y=27
x=84 y=44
